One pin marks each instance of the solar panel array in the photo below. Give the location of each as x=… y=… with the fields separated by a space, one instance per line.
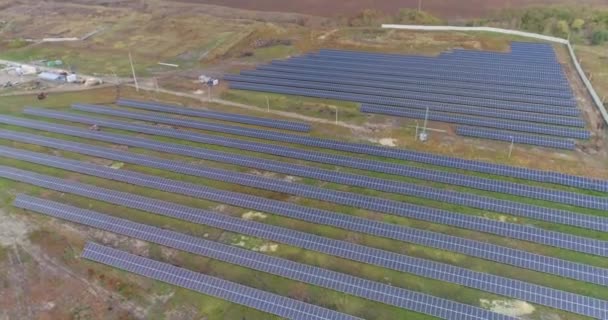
x=340 y=282
x=516 y=137
x=481 y=224
x=212 y=286
x=395 y=71
x=396 y=84
x=263 y=122
x=566 y=132
x=413 y=98
x=406 y=80
x=460 y=198
x=526 y=86
x=402 y=154
x=474 y=248
x=308 y=155
x=503 y=286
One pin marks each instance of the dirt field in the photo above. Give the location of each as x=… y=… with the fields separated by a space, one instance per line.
x=446 y=9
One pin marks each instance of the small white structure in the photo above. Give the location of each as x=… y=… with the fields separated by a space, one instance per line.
x=25 y=70
x=72 y=78
x=203 y=79
x=50 y=76
x=89 y=82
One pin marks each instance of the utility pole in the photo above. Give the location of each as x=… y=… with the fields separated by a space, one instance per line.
x=267 y=104
x=209 y=92
x=419 y=5
x=416 y=136
x=426 y=119
x=511 y=147
x=133 y=71
x=336 y=113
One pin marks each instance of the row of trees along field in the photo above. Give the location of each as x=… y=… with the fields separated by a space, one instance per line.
x=580 y=24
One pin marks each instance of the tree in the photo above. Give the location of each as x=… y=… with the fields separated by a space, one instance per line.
x=599 y=37
x=577 y=24
x=561 y=29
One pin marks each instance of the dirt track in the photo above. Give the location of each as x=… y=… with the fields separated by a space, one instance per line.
x=448 y=9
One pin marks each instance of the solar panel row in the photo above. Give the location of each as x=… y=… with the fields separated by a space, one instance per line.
x=456 y=55
x=469 y=181
x=516 y=137
x=264 y=122
x=236 y=83
x=493 y=185
x=432 y=99
x=495 y=284
x=482 y=250
x=438 y=63
x=439 y=160
x=448 y=196
x=387 y=84
x=481 y=224
x=404 y=79
x=324 y=278
x=478 y=121
x=505 y=75
x=422 y=75
x=212 y=286
x=587 y=201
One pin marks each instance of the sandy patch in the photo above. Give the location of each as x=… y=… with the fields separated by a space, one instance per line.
x=513 y=308
x=12 y=230
x=253 y=215
x=387 y=142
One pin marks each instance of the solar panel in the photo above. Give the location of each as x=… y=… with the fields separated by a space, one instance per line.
x=491 y=283
x=448 y=196
x=480 y=183
x=516 y=137
x=437 y=99
x=324 y=278
x=423 y=75
x=474 y=248
x=478 y=121
x=454 y=56
x=394 y=102
x=440 y=88
x=381 y=151
x=458 y=71
x=404 y=79
x=264 y=122
x=439 y=63
x=511 y=75
x=211 y=286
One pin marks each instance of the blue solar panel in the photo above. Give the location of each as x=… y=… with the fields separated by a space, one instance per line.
x=324 y=278
x=387 y=84
x=478 y=121
x=508 y=75
x=418 y=98
x=495 y=284
x=212 y=286
x=478 y=249
x=395 y=72
x=438 y=160
x=264 y=122
x=447 y=58
x=459 y=198
x=516 y=137
x=437 y=64
x=404 y=79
